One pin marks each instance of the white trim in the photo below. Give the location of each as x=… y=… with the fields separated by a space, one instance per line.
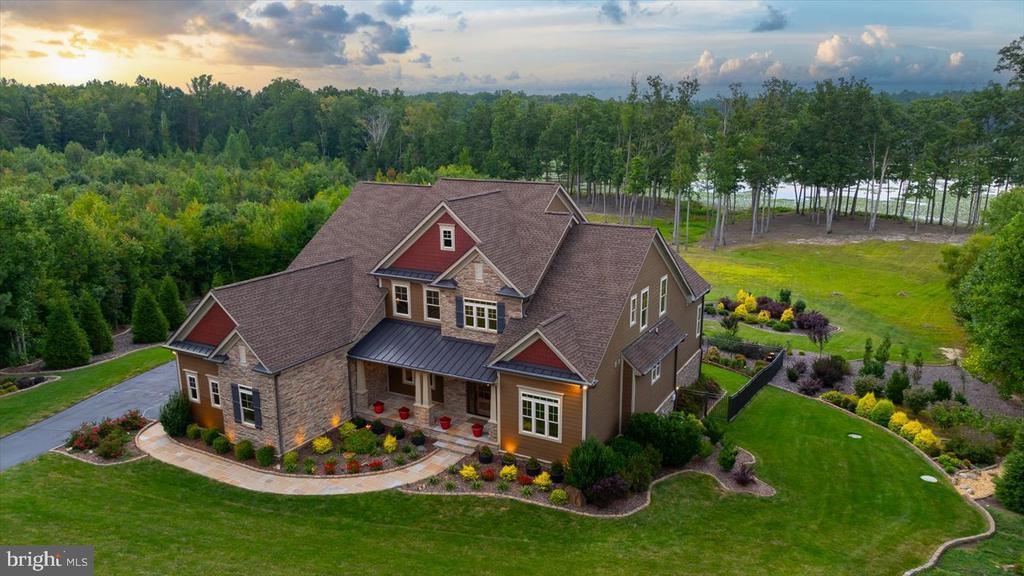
x=567 y=198
x=442 y=228
x=656 y=372
x=545 y=399
x=426 y=307
x=192 y=319
x=394 y=299
x=633 y=309
x=241 y=407
x=188 y=385
x=412 y=374
x=662 y=295
x=666 y=254
x=645 y=309
x=464 y=259
x=419 y=229
x=220 y=397
x=487 y=306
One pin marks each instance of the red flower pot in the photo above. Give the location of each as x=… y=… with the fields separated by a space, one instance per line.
x=478 y=429
x=378 y=407
x=403 y=413
x=446 y=422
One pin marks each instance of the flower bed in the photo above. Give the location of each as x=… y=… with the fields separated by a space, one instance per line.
x=767 y=313
x=109 y=441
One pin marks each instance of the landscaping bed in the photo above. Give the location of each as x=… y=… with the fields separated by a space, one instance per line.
x=13 y=385
x=110 y=441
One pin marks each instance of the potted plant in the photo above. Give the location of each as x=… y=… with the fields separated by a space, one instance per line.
x=378 y=407
x=359 y=421
x=557 y=472
x=485 y=455
x=418 y=438
x=403 y=412
x=478 y=429
x=508 y=459
x=533 y=467
x=398 y=431
x=377 y=427
x=446 y=422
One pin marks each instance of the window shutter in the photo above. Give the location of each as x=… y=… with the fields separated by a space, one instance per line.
x=236 y=403
x=256 y=408
x=501 y=317
x=459 y=312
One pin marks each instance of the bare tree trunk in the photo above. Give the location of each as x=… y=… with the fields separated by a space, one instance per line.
x=687 y=236
x=942 y=209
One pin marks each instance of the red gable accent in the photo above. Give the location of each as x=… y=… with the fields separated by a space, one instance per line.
x=426 y=254
x=212 y=327
x=539 y=353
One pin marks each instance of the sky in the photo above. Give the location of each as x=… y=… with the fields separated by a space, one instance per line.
x=538 y=47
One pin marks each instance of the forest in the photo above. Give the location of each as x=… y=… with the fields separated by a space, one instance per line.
x=107 y=187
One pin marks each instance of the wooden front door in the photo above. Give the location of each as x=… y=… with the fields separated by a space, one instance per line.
x=478 y=399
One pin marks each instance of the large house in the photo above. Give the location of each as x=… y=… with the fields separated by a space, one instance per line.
x=489 y=302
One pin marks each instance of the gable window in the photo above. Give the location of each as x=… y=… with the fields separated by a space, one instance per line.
x=656 y=372
x=540 y=414
x=432 y=304
x=645 y=301
x=447 y=238
x=400 y=299
x=480 y=315
x=193 y=386
x=663 y=295
x=248 y=405
x=478 y=271
x=632 y=310
x=242 y=359
x=214 y=392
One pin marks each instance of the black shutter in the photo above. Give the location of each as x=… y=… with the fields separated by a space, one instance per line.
x=256 y=408
x=236 y=403
x=459 y=312
x=501 y=317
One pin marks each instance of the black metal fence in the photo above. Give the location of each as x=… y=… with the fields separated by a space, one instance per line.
x=776 y=357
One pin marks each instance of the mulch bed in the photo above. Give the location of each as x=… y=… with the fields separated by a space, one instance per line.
x=129 y=452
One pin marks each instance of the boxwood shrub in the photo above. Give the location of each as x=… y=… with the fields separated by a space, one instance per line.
x=361 y=441
x=265 y=455
x=193 y=431
x=221 y=445
x=209 y=435
x=589 y=462
x=243 y=450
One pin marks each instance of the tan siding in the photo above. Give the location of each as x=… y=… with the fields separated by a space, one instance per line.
x=203 y=413
x=548 y=450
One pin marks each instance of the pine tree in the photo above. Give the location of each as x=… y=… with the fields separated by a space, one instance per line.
x=170 y=302
x=1010 y=484
x=66 y=343
x=90 y=317
x=148 y=322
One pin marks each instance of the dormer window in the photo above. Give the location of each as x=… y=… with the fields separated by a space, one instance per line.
x=447 y=238
x=400 y=299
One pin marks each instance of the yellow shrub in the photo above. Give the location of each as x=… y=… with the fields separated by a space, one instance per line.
x=897 y=421
x=509 y=473
x=787 y=315
x=542 y=481
x=322 y=445
x=750 y=303
x=468 y=473
x=928 y=442
x=911 y=429
x=720 y=306
x=740 y=311
x=390 y=443
x=741 y=296
x=865 y=404
x=763 y=316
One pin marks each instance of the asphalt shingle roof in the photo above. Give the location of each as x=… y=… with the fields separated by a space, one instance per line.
x=653 y=345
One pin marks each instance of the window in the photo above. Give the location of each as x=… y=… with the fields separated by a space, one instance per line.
x=539 y=415
x=214 y=392
x=432 y=304
x=663 y=295
x=400 y=300
x=478 y=271
x=245 y=399
x=447 y=238
x=656 y=373
x=632 y=310
x=480 y=315
x=241 y=355
x=645 y=301
x=193 y=386
x=407 y=377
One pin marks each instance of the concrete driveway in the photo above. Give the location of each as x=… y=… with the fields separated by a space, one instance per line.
x=145 y=392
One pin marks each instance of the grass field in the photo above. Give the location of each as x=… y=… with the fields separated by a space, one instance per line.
x=991 y=556
x=868 y=289
x=697 y=225
x=727 y=379
x=843 y=507
x=30 y=406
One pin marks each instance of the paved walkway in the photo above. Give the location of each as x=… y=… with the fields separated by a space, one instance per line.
x=155 y=441
x=145 y=392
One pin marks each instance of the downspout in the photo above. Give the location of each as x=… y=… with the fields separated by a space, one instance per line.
x=277 y=408
x=586 y=413
x=621 y=364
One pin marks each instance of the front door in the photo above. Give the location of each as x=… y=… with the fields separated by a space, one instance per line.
x=437 y=388
x=478 y=399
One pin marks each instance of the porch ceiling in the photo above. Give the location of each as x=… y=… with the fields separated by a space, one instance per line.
x=420 y=347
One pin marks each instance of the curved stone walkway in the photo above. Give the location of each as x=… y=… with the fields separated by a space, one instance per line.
x=155 y=442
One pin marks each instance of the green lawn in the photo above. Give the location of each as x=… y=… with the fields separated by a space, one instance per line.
x=731 y=381
x=697 y=225
x=991 y=556
x=843 y=507
x=30 y=406
x=857 y=286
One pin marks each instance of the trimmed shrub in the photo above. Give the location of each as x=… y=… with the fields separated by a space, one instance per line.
x=607 y=490
x=290 y=462
x=244 y=450
x=509 y=473
x=131 y=420
x=799 y=306
x=792 y=375
x=346 y=429
x=833 y=397
x=911 y=429
x=148 y=322
x=917 y=399
x=170 y=302
x=977 y=446
x=1010 y=484
x=66 y=344
x=928 y=442
x=865 y=405
x=676 y=436
x=221 y=445
x=625 y=446
x=265 y=455
x=91 y=319
x=589 y=462
x=897 y=421
x=193 y=431
x=378 y=427
x=867 y=384
x=637 y=471
x=714 y=428
x=941 y=390
x=882 y=412
x=86 y=437
x=488 y=474
x=705 y=450
x=112 y=445
x=309 y=465
x=784 y=295
x=897 y=386
x=558 y=497
x=209 y=435
x=524 y=479
x=950 y=463
x=727 y=456
x=361 y=441
x=950 y=414
x=830 y=370
x=542 y=481
x=175 y=414
x=810 y=385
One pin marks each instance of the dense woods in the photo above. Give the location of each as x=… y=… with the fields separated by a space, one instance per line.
x=107 y=187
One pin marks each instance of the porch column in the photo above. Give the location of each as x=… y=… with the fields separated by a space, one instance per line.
x=362 y=397
x=421 y=406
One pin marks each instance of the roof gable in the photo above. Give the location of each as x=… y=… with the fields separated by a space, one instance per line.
x=212 y=327
x=541 y=354
x=424 y=251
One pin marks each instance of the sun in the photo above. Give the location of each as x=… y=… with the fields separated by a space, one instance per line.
x=87 y=65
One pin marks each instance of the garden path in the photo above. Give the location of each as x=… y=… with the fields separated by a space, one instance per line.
x=154 y=441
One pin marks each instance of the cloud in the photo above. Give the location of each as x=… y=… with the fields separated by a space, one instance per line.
x=753 y=68
x=461 y=23
x=385 y=39
x=956 y=59
x=870 y=53
x=876 y=35
x=512 y=76
x=395 y=9
x=613 y=11
x=423 y=59
x=68 y=54
x=456 y=59
x=774 y=20
x=36 y=54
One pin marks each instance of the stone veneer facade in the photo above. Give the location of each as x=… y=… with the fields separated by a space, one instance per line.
x=689 y=371
x=313 y=397
x=469 y=287
x=233 y=372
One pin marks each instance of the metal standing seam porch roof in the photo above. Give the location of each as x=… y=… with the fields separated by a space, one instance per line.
x=419 y=347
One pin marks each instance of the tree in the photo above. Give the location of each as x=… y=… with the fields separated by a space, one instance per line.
x=170 y=302
x=67 y=345
x=148 y=322
x=1011 y=59
x=94 y=324
x=1010 y=484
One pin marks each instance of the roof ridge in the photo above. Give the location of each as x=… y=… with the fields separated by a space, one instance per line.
x=394 y=184
x=281 y=273
x=617 y=225
x=501 y=180
x=474 y=195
